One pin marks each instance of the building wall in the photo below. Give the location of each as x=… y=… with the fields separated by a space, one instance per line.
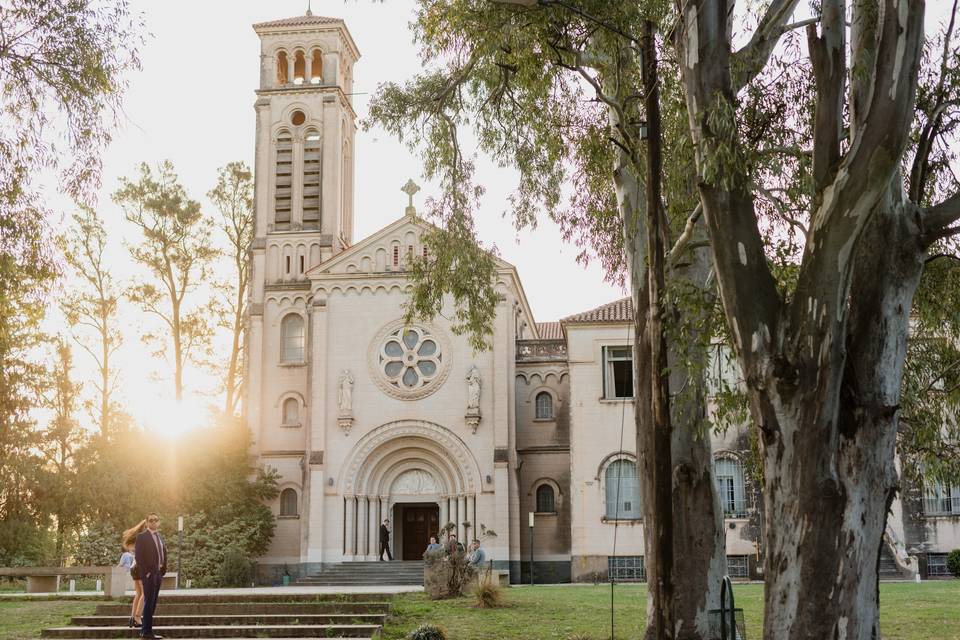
x=601 y=429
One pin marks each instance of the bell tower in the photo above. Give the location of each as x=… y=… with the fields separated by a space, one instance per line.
x=304 y=147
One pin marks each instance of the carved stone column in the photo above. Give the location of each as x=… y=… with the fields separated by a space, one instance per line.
x=471 y=516
x=363 y=522
x=461 y=518
x=349 y=529
x=444 y=512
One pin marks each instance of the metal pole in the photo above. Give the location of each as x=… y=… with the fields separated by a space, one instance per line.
x=179 y=548
x=531 y=548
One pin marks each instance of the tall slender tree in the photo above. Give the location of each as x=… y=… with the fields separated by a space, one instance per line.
x=61 y=441
x=556 y=93
x=178 y=253
x=91 y=306
x=233 y=197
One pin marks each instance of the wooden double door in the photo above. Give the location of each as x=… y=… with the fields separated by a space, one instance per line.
x=418 y=523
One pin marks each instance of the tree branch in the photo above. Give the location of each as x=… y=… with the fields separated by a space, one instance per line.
x=746 y=63
x=937 y=220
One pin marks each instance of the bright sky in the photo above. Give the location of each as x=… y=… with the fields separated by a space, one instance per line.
x=192 y=103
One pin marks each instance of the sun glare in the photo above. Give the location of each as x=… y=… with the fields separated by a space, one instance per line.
x=173 y=418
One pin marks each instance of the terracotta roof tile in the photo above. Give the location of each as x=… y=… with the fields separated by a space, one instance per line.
x=550 y=330
x=616 y=311
x=297 y=21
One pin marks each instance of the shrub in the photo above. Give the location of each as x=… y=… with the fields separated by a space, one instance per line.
x=235 y=570
x=953 y=563
x=428 y=632
x=487 y=593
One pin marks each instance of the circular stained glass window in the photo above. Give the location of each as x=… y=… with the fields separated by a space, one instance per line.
x=410 y=359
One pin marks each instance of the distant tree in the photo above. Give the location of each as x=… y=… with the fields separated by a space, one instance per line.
x=178 y=253
x=61 y=440
x=91 y=305
x=233 y=197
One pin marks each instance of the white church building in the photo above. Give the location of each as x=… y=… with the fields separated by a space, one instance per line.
x=366 y=418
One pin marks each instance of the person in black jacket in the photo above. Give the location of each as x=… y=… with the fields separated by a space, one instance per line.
x=385 y=540
x=151 y=557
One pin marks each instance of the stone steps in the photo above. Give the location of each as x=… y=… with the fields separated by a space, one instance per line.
x=251 y=608
x=222 y=631
x=277 y=615
x=367 y=574
x=241 y=619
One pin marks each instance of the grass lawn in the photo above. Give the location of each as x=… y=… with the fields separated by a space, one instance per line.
x=927 y=611
x=25 y=618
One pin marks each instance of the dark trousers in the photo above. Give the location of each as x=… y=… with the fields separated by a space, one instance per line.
x=385 y=546
x=151 y=589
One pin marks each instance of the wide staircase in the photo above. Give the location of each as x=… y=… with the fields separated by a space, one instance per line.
x=889 y=569
x=274 y=615
x=397 y=572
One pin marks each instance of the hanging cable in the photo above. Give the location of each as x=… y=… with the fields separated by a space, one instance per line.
x=616 y=511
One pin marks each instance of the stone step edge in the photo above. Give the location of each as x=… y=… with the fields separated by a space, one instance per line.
x=207 y=616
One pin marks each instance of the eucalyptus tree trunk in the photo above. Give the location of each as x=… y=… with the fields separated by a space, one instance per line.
x=685 y=555
x=823 y=368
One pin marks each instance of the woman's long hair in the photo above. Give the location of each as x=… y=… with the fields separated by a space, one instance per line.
x=130 y=535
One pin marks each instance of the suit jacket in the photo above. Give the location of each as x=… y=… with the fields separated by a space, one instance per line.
x=384 y=534
x=145 y=551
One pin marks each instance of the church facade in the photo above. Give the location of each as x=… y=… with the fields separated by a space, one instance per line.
x=366 y=418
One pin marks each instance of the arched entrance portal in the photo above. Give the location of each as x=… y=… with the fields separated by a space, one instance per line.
x=416 y=512
x=415 y=473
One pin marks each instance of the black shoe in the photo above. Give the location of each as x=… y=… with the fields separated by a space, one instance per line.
x=131 y=622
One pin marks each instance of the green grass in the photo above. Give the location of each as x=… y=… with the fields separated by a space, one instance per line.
x=908 y=612
x=25 y=619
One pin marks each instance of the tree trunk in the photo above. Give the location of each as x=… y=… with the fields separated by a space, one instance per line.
x=697 y=544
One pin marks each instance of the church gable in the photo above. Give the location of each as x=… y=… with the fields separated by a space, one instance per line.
x=385 y=251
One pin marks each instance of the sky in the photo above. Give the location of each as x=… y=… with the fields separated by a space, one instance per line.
x=192 y=103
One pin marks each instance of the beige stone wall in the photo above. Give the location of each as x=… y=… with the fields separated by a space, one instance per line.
x=595 y=439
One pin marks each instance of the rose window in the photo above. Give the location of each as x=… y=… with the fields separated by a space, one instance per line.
x=410 y=358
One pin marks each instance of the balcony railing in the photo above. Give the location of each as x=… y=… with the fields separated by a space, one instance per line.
x=944 y=506
x=528 y=350
x=734 y=508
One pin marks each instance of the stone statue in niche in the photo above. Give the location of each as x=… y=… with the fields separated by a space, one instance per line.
x=473 y=388
x=473 y=398
x=345 y=401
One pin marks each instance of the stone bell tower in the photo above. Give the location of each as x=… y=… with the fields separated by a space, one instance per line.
x=305 y=134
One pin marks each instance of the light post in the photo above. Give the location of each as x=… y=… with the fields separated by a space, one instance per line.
x=179 y=548
x=531 y=548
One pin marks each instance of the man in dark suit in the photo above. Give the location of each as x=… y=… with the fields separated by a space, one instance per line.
x=151 y=556
x=385 y=540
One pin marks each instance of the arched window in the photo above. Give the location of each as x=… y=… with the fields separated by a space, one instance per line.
x=546 y=500
x=729 y=473
x=291 y=411
x=284 y=177
x=623 y=491
x=316 y=67
x=288 y=502
x=292 y=338
x=311 y=177
x=282 y=68
x=544 y=406
x=299 y=68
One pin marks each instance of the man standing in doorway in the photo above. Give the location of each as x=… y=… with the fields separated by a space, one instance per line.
x=151 y=558
x=385 y=540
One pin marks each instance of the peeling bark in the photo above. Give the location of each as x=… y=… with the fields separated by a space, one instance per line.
x=822 y=368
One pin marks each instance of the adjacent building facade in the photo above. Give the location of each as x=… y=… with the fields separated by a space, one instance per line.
x=367 y=418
